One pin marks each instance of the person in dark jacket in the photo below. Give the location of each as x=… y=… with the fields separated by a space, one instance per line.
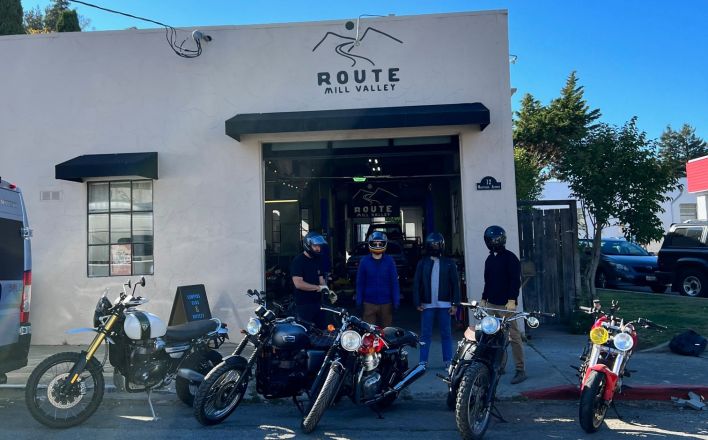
x=436 y=294
x=307 y=277
x=377 y=286
x=502 y=281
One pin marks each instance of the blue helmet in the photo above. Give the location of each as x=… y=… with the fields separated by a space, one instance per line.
x=313 y=239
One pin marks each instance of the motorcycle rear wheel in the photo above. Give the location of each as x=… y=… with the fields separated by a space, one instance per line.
x=472 y=414
x=323 y=400
x=187 y=389
x=592 y=404
x=217 y=397
x=54 y=408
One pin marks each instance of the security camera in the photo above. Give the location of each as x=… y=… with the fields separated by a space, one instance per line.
x=199 y=36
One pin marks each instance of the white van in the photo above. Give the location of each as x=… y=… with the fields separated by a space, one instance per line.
x=15 y=280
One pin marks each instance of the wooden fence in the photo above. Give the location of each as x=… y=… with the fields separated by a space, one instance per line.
x=548 y=242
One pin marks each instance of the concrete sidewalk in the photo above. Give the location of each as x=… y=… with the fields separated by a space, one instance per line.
x=549 y=353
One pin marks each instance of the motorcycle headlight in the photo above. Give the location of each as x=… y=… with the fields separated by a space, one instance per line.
x=351 y=340
x=490 y=325
x=599 y=335
x=254 y=326
x=623 y=341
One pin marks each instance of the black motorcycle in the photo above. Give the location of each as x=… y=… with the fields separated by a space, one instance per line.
x=366 y=363
x=287 y=354
x=476 y=368
x=66 y=389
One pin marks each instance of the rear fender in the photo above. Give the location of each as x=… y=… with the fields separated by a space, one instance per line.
x=610 y=378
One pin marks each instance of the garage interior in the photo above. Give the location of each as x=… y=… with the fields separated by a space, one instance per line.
x=318 y=186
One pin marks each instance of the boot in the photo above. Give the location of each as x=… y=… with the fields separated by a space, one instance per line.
x=519 y=377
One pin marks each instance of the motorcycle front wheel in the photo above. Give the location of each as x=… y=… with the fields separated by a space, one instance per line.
x=220 y=394
x=472 y=413
x=323 y=400
x=56 y=406
x=592 y=403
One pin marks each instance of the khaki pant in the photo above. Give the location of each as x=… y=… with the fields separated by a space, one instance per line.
x=517 y=350
x=379 y=314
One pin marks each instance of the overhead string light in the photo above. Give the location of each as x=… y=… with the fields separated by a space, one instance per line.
x=170 y=33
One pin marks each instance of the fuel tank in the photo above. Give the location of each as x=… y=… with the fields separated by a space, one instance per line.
x=289 y=336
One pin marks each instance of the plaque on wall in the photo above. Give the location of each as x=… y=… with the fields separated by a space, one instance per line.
x=488 y=183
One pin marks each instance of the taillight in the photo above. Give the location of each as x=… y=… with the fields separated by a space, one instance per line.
x=26 y=297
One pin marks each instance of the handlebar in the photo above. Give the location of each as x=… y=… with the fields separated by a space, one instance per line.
x=647 y=323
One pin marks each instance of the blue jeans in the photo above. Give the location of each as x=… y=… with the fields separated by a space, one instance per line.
x=427 y=317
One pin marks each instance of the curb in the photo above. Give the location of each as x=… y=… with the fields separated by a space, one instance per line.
x=644 y=392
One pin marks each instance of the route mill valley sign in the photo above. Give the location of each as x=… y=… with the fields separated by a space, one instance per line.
x=374 y=201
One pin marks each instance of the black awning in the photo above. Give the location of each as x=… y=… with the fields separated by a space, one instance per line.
x=357 y=119
x=107 y=165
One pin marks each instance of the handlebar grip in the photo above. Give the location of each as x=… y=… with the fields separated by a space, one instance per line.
x=548 y=315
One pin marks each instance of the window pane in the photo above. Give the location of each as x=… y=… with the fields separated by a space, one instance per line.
x=98 y=229
x=121 y=258
x=142 y=259
x=120 y=228
x=120 y=196
x=687 y=237
x=98 y=197
x=142 y=195
x=98 y=261
x=142 y=227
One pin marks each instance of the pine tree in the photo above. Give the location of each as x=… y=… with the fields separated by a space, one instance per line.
x=68 y=22
x=53 y=12
x=11 y=17
x=678 y=147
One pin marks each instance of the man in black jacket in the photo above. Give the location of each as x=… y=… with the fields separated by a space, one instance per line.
x=502 y=280
x=436 y=294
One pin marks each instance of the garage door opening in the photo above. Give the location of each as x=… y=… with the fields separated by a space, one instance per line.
x=406 y=187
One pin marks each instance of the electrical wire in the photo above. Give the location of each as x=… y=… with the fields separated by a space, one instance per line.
x=170 y=32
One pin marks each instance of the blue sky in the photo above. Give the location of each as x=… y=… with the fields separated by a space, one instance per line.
x=641 y=58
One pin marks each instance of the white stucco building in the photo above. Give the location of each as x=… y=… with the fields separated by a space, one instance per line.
x=418 y=104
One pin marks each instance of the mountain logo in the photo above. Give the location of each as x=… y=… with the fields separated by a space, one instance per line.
x=348 y=47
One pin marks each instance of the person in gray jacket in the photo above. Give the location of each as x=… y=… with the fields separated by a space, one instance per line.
x=436 y=294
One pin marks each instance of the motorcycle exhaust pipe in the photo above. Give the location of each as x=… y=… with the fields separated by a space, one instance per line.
x=190 y=375
x=409 y=378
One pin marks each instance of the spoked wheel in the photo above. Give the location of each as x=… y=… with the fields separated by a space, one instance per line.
x=55 y=404
x=592 y=403
x=472 y=412
x=220 y=394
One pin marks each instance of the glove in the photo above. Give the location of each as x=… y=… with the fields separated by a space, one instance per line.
x=322 y=288
x=511 y=305
x=453 y=310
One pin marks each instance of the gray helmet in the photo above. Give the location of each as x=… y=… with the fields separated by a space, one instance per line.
x=495 y=238
x=313 y=239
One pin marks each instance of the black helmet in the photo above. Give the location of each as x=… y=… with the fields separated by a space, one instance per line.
x=495 y=238
x=435 y=244
x=377 y=242
x=313 y=239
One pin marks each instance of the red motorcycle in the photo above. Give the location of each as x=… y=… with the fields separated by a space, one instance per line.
x=605 y=361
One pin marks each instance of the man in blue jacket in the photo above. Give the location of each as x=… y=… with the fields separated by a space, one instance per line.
x=377 y=283
x=436 y=293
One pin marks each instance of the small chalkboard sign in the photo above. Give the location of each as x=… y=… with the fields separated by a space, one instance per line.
x=190 y=304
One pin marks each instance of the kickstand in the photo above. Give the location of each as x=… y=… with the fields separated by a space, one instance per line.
x=152 y=409
x=614 y=407
x=299 y=405
x=494 y=411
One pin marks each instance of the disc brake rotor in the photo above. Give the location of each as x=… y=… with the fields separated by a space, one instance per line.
x=65 y=400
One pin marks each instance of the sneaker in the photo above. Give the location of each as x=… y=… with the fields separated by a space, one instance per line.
x=519 y=377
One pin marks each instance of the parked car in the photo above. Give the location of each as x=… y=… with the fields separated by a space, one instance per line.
x=15 y=280
x=622 y=261
x=393 y=249
x=683 y=258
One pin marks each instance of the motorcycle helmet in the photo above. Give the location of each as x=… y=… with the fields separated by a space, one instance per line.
x=435 y=244
x=313 y=239
x=377 y=242
x=495 y=238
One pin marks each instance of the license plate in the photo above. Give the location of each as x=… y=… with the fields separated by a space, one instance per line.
x=651 y=278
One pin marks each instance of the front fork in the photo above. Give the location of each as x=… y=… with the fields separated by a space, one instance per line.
x=79 y=367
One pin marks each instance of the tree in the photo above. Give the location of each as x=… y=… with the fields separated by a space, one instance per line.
x=616 y=173
x=11 y=17
x=53 y=13
x=678 y=147
x=548 y=130
x=38 y=22
x=34 y=21
x=68 y=22
x=530 y=176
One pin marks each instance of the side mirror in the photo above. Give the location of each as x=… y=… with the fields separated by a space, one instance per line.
x=142 y=281
x=128 y=284
x=533 y=322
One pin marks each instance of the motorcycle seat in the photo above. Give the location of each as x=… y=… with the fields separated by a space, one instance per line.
x=397 y=337
x=190 y=330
